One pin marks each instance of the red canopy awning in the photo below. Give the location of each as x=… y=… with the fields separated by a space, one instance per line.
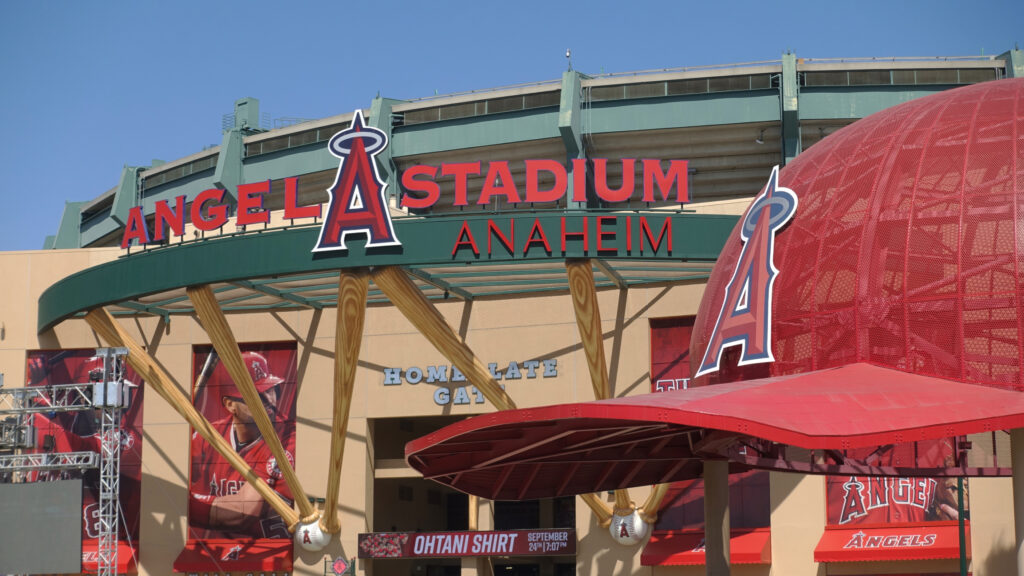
x=883 y=542
x=686 y=547
x=242 y=555
x=127 y=557
x=641 y=440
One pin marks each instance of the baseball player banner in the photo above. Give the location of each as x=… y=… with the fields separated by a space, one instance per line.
x=856 y=500
x=79 y=431
x=221 y=503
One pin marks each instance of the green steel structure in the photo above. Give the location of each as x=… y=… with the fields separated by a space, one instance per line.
x=732 y=123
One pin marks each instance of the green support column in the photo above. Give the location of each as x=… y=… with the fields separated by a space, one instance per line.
x=1014 y=63
x=570 y=125
x=228 y=174
x=380 y=118
x=127 y=194
x=70 y=226
x=789 y=94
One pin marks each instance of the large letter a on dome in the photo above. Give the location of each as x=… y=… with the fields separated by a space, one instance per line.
x=746 y=315
x=357 y=202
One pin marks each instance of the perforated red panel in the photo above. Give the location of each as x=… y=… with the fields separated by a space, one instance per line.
x=905 y=250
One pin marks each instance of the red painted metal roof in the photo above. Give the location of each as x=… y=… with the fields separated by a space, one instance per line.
x=649 y=439
x=906 y=248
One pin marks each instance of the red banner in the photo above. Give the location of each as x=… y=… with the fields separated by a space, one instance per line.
x=670 y=353
x=556 y=542
x=222 y=504
x=79 y=431
x=854 y=500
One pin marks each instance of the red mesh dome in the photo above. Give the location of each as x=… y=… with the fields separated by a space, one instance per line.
x=905 y=251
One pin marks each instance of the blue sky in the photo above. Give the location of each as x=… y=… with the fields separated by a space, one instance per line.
x=88 y=87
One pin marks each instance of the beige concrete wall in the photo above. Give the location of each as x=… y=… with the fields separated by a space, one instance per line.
x=798 y=521
x=993 y=547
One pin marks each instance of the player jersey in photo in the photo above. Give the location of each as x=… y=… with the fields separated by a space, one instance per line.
x=213 y=477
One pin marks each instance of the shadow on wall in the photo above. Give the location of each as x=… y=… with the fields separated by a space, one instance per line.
x=1000 y=560
x=610 y=558
x=163 y=528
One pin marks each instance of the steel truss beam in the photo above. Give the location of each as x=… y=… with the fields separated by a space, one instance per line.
x=56 y=398
x=49 y=461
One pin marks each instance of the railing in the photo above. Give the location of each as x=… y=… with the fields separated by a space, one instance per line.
x=866 y=59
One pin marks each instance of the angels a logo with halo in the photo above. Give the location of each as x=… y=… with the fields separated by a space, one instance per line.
x=745 y=317
x=357 y=205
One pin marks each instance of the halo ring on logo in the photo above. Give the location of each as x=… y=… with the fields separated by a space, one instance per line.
x=779 y=206
x=373 y=141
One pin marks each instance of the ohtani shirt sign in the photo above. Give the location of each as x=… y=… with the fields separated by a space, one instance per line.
x=459 y=544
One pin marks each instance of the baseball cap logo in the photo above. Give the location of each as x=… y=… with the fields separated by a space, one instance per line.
x=745 y=316
x=259 y=371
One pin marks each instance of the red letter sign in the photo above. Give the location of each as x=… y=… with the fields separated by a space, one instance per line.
x=745 y=318
x=357 y=197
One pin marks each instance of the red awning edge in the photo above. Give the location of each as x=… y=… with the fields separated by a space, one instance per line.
x=888 y=542
x=562 y=449
x=127 y=557
x=235 y=555
x=686 y=547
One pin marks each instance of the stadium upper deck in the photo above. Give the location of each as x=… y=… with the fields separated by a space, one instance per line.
x=731 y=122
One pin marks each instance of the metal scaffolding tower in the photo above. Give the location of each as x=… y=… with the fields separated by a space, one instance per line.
x=111 y=396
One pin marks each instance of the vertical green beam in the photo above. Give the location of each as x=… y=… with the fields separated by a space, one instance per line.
x=380 y=118
x=789 y=89
x=570 y=125
x=228 y=174
x=127 y=194
x=69 y=233
x=1014 y=63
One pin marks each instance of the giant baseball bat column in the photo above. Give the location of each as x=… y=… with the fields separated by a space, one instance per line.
x=425 y=317
x=348 y=335
x=104 y=324
x=588 y=320
x=653 y=502
x=224 y=342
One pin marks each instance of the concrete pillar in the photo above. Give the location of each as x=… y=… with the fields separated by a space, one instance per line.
x=716 y=517
x=1014 y=63
x=1017 y=460
x=570 y=127
x=483 y=511
x=380 y=118
x=789 y=104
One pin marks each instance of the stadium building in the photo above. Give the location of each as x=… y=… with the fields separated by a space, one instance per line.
x=297 y=305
